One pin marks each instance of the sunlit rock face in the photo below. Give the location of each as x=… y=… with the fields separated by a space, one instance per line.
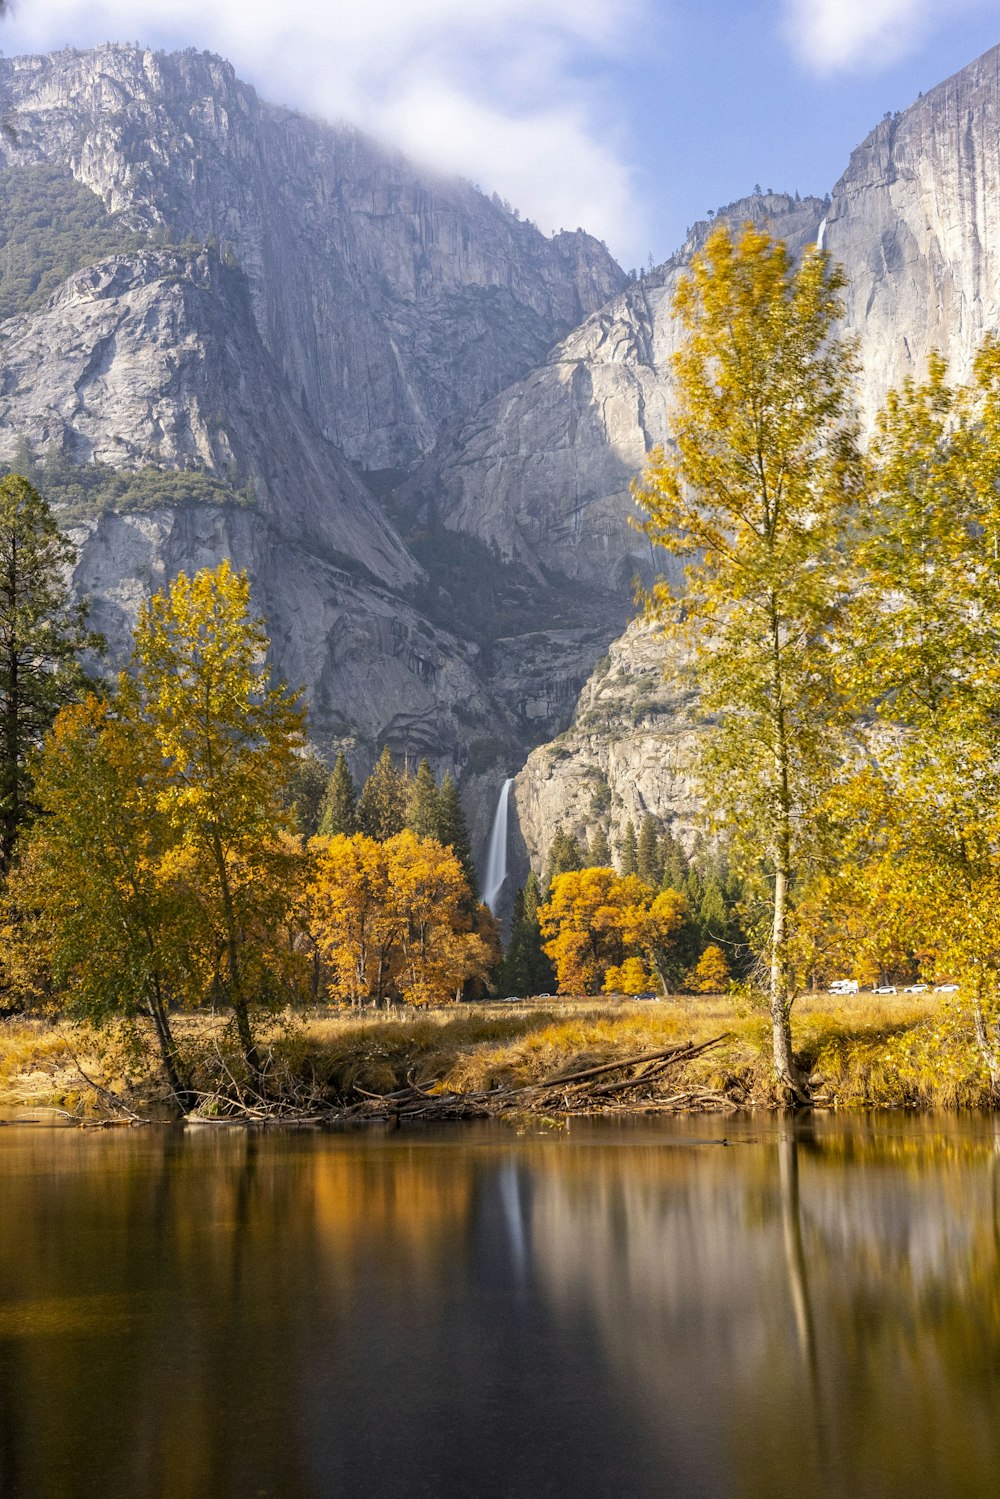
x=362 y=352
x=627 y=751
x=543 y=470
x=391 y=298
x=915 y=220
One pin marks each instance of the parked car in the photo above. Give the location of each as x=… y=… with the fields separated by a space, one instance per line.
x=916 y=989
x=885 y=989
x=844 y=986
x=945 y=988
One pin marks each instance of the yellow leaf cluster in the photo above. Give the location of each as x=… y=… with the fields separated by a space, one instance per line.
x=597 y=922
x=390 y=920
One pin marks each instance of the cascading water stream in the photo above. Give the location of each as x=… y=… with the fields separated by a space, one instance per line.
x=821 y=235
x=496 y=850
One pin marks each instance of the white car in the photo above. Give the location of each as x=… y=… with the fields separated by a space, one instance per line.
x=844 y=986
x=916 y=989
x=886 y=989
x=945 y=988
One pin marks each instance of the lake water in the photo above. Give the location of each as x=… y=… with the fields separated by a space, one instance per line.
x=693 y=1308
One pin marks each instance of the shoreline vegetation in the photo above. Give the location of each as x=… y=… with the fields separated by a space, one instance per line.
x=860 y=1052
x=179 y=872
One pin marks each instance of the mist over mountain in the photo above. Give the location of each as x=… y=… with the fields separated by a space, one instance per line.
x=232 y=330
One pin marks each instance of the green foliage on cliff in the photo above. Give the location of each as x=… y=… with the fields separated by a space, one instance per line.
x=79 y=491
x=50 y=226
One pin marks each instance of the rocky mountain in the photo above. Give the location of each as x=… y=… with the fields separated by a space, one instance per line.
x=230 y=330
x=625 y=752
x=390 y=298
x=915 y=220
x=269 y=312
x=542 y=471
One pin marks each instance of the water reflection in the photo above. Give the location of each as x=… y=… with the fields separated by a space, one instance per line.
x=628 y=1311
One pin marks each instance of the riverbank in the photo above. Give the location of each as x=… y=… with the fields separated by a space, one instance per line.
x=861 y=1051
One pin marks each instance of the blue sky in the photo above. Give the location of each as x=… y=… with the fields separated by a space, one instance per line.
x=630 y=117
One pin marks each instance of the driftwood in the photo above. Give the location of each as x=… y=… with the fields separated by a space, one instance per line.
x=585 y=1091
x=110 y=1100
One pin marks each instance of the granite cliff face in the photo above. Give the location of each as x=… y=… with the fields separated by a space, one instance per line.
x=156 y=358
x=391 y=299
x=542 y=471
x=915 y=220
x=409 y=414
x=626 y=752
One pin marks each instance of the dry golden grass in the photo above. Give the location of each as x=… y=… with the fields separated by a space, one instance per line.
x=863 y=1051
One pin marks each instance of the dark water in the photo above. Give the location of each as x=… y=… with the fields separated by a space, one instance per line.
x=620 y=1311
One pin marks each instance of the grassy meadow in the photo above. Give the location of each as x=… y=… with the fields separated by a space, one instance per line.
x=862 y=1051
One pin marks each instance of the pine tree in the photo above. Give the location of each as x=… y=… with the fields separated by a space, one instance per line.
x=339 y=811
x=306 y=789
x=382 y=803
x=565 y=856
x=629 y=851
x=422 y=802
x=712 y=913
x=525 y=968
x=648 y=863
x=674 y=861
x=599 y=851
x=42 y=637
x=453 y=830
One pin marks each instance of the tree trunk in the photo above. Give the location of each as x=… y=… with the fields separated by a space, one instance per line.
x=237 y=998
x=180 y=1086
x=11 y=814
x=987 y=1048
x=791 y=1084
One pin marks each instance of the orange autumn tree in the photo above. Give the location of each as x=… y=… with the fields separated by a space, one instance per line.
x=596 y=921
x=349 y=914
x=438 y=950
x=390 y=920
x=711 y=974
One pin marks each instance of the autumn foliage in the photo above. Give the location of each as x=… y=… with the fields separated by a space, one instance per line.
x=390 y=920
x=609 y=932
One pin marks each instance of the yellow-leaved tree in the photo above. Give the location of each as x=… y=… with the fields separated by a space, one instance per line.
x=228 y=740
x=925 y=623
x=350 y=917
x=88 y=901
x=438 y=950
x=595 y=921
x=756 y=486
x=391 y=920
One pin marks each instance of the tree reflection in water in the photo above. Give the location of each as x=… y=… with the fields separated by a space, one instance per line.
x=627 y=1310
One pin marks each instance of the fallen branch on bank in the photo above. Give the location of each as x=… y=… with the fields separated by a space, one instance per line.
x=637 y=1089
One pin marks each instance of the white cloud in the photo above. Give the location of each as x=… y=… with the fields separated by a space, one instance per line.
x=865 y=35
x=511 y=93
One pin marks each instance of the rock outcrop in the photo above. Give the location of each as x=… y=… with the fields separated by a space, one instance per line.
x=626 y=752
x=543 y=470
x=915 y=220
x=391 y=299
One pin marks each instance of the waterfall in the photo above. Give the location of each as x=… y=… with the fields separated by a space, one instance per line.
x=496 y=850
x=821 y=235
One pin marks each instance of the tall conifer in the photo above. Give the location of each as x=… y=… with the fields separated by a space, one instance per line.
x=382 y=803
x=453 y=830
x=339 y=812
x=422 y=802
